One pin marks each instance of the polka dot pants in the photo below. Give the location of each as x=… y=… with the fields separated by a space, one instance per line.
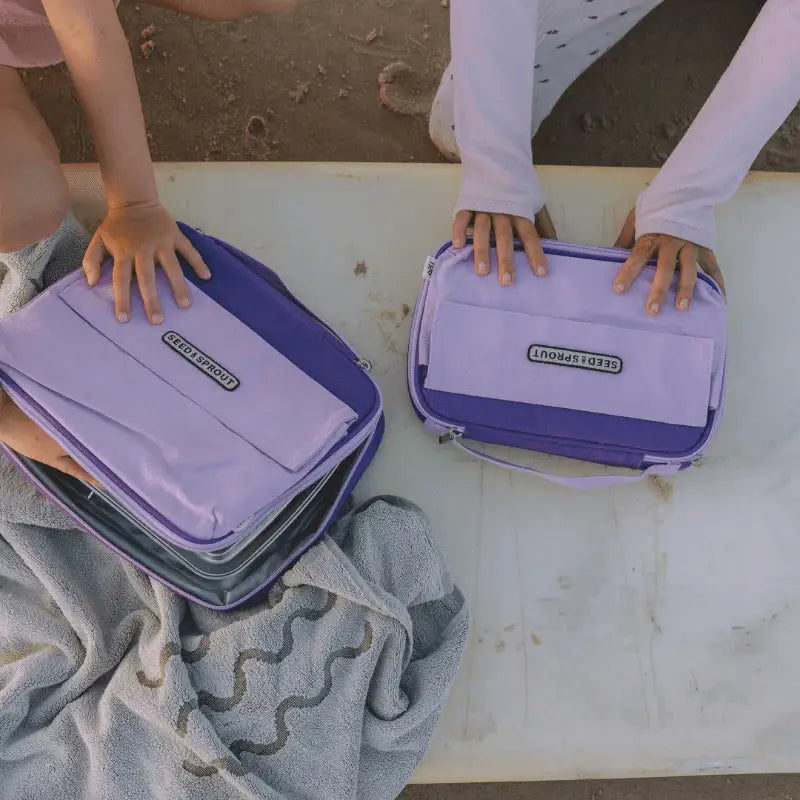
x=572 y=35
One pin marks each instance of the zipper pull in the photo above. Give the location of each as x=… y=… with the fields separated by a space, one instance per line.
x=364 y=364
x=450 y=436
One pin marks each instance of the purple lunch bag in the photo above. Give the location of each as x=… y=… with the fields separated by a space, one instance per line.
x=562 y=365
x=226 y=440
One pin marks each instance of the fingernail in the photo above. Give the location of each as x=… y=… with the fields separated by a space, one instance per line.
x=123 y=317
x=458 y=242
x=158 y=319
x=483 y=268
x=541 y=270
x=619 y=288
x=207 y=274
x=184 y=302
x=654 y=308
x=508 y=278
x=683 y=303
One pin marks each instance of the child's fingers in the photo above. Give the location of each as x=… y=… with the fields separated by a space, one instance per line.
x=180 y=289
x=634 y=264
x=665 y=270
x=146 y=278
x=533 y=245
x=187 y=250
x=460 y=226
x=482 y=236
x=687 y=276
x=504 y=240
x=123 y=270
x=93 y=259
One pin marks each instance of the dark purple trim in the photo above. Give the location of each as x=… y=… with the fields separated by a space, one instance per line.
x=288 y=326
x=549 y=429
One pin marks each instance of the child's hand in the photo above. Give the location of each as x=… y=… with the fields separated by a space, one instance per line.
x=669 y=250
x=137 y=236
x=505 y=229
x=25 y=437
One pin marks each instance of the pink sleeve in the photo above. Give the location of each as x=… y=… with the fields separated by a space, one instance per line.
x=754 y=96
x=494 y=47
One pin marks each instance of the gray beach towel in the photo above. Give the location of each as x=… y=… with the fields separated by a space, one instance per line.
x=112 y=686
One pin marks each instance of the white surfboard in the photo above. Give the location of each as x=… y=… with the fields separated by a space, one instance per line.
x=648 y=630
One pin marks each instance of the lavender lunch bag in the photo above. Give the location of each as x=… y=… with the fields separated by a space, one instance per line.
x=226 y=440
x=562 y=365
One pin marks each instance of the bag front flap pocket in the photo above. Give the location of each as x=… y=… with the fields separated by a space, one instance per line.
x=502 y=355
x=216 y=362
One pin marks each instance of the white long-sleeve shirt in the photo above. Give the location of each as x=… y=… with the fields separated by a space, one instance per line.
x=494 y=55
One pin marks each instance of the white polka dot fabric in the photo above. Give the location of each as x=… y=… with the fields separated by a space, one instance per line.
x=513 y=59
x=571 y=36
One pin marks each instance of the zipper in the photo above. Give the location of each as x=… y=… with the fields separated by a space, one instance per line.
x=452 y=431
x=697 y=457
x=72 y=514
x=178 y=552
x=323 y=525
x=169 y=531
x=554 y=247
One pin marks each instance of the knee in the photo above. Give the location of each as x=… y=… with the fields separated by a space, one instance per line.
x=31 y=213
x=33 y=193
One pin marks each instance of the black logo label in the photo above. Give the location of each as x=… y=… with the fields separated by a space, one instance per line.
x=578 y=359
x=199 y=359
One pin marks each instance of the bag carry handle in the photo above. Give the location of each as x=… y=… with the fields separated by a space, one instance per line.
x=586 y=483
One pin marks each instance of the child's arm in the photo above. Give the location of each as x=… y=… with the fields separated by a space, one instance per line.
x=138 y=231
x=25 y=437
x=494 y=54
x=754 y=96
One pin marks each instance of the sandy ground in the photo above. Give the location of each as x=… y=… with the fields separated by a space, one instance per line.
x=305 y=88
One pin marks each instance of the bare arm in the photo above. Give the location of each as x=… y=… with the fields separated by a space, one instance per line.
x=25 y=437
x=754 y=96
x=674 y=216
x=99 y=62
x=138 y=232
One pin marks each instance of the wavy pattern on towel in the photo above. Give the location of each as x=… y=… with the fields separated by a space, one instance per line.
x=294 y=702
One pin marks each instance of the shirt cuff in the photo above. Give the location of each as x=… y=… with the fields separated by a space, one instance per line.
x=515 y=208
x=701 y=230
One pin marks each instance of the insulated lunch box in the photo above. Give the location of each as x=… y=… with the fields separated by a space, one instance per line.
x=562 y=365
x=226 y=441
